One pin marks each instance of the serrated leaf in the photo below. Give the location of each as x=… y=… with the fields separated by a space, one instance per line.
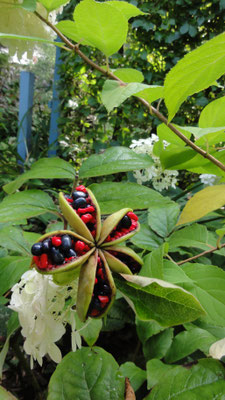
x=101 y=25
x=115 y=93
x=51 y=5
x=113 y=196
x=45 y=168
x=154 y=299
x=114 y=160
x=195 y=72
x=201 y=280
x=69 y=29
x=128 y=10
x=128 y=75
x=87 y=374
x=204 y=380
x=136 y=375
x=205 y=201
x=212 y=114
x=27 y=204
x=11 y=269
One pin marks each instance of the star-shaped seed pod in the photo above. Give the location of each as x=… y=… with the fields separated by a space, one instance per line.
x=91 y=252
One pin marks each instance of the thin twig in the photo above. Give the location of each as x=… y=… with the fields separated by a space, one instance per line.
x=204 y=253
x=152 y=110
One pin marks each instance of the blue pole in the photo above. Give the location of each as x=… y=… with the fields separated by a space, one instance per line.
x=53 y=134
x=25 y=113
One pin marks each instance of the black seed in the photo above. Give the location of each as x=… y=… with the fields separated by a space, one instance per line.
x=104 y=289
x=36 y=249
x=126 y=222
x=96 y=304
x=56 y=256
x=70 y=253
x=79 y=203
x=47 y=245
x=66 y=243
x=77 y=194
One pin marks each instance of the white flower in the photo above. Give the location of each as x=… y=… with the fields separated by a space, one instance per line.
x=208 y=179
x=217 y=349
x=161 y=179
x=43 y=312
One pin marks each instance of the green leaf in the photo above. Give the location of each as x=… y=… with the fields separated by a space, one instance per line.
x=87 y=374
x=195 y=72
x=27 y=204
x=187 y=342
x=135 y=374
x=32 y=237
x=162 y=216
x=165 y=133
x=114 y=160
x=201 y=280
x=146 y=239
x=205 y=201
x=129 y=75
x=12 y=326
x=115 y=93
x=156 y=369
x=146 y=329
x=195 y=235
x=69 y=29
x=89 y=330
x=5 y=395
x=128 y=10
x=158 y=345
x=45 y=168
x=113 y=196
x=153 y=264
x=212 y=114
x=159 y=300
x=30 y=38
x=101 y=25
x=203 y=381
x=12 y=239
x=11 y=269
x=29 y=5
x=51 y=5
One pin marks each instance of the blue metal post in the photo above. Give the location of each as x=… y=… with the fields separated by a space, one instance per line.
x=25 y=113
x=53 y=134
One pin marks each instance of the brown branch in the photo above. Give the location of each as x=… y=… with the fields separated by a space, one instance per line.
x=152 y=110
x=204 y=253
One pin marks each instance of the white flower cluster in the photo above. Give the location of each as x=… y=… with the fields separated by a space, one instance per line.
x=160 y=179
x=208 y=179
x=44 y=309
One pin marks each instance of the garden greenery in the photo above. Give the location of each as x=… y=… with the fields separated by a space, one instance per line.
x=176 y=302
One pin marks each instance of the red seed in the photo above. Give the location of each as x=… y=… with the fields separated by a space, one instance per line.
x=100 y=273
x=81 y=188
x=36 y=260
x=93 y=233
x=69 y=200
x=87 y=248
x=103 y=299
x=56 y=241
x=43 y=261
x=132 y=216
x=86 y=210
x=108 y=239
x=86 y=218
x=96 y=281
x=99 y=261
x=94 y=313
x=79 y=246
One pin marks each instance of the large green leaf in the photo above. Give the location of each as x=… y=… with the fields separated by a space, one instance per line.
x=27 y=204
x=115 y=93
x=135 y=374
x=5 y=395
x=195 y=235
x=207 y=200
x=87 y=374
x=206 y=282
x=89 y=330
x=101 y=25
x=12 y=325
x=146 y=239
x=128 y=10
x=129 y=74
x=203 y=381
x=212 y=114
x=154 y=299
x=153 y=263
x=30 y=38
x=187 y=342
x=45 y=168
x=113 y=160
x=113 y=196
x=11 y=269
x=69 y=29
x=29 y=5
x=155 y=371
x=158 y=345
x=51 y=5
x=12 y=239
x=196 y=71
x=162 y=216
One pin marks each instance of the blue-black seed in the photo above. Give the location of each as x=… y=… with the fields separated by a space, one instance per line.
x=56 y=256
x=125 y=222
x=79 y=203
x=66 y=243
x=36 y=249
x=77 y=194
x=47 y=245
x=70 y=253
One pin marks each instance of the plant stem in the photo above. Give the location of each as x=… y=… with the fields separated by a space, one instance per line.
x=204 y=253
x=152 y=110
